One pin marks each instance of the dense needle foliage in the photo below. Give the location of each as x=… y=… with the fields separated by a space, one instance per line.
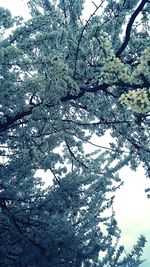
x=64 y=79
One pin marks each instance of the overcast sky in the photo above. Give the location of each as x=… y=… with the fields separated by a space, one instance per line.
x=131 y=205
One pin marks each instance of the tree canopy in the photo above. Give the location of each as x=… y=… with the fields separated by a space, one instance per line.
x=63 y=80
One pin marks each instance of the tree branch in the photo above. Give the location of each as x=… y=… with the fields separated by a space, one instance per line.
x=10 y=120
x=129 y=28
x=100 y=122
x=5 y=124
x=99 y=146
x=82 y=32
x=73 y=155
x=89 y=89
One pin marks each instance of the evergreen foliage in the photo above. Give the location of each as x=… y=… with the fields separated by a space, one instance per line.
x=62 y=80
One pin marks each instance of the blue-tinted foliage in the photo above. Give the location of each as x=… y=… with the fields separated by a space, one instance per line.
x=61 y=79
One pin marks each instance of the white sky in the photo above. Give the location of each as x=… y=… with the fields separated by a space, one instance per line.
x=131 y=205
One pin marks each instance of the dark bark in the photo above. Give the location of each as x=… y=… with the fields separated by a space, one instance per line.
x=129 y=27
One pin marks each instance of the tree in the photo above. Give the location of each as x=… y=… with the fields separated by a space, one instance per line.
x=63 y=80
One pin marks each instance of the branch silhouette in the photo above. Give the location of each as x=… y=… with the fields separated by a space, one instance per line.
x=129 y=27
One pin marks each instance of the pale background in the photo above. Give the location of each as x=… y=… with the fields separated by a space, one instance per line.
x=131 y=204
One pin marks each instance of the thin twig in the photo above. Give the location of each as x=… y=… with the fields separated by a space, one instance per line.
x=82 y=32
